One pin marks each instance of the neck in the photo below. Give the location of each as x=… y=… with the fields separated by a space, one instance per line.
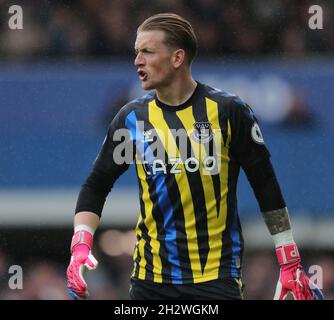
x=178 y=92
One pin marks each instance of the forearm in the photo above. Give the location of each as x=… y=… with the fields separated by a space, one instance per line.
x=277 y=220
x=86 y=218
x=268 y=193
x=262 y=178
x=278 y=224
x=94 y=191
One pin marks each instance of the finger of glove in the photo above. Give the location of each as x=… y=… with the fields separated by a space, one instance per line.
x=297 y=291
x=91 y=263
x=308 y=293
x=69 y=273
x=80 y=287
x=75 y=274
x=71 y=285
x=302 y=291
x=287 y=278
x=300 y=288
x=280 y=292
x=75 y=277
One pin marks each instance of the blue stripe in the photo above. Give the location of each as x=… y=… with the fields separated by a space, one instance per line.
x=236 y=247
x=164 y=202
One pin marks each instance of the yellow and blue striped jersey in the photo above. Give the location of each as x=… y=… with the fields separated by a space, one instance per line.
x=187 y=159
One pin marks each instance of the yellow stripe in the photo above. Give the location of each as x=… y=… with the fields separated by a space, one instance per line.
x=151 y=226
x=157 y=120
x=141 y=243
x=218 y=225
x=135 y=254
x=213 y=260
x=140 y=251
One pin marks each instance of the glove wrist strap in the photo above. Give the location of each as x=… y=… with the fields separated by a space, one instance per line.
x=82 y=237
x=287 y=253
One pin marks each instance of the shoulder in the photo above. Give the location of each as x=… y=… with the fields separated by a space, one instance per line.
x=222 y=97
x=231 y=102
x=217 y=94
x=141 y=101
x=133 y=105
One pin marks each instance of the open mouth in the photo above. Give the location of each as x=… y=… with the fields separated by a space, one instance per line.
x=142 y=75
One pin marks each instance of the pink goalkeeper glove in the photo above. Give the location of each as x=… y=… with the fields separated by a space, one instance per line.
x=292 y=276
x=81 y=261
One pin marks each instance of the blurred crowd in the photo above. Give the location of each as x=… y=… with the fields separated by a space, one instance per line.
x=44 y=278
x=100 y=28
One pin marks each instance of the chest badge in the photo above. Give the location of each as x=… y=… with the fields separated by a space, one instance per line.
x=202 y=132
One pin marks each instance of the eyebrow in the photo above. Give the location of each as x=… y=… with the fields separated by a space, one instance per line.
x=145 y=49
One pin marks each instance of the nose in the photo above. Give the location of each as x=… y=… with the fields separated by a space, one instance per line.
x=139 y=60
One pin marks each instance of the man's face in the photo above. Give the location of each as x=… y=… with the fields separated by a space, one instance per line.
x=153 y=60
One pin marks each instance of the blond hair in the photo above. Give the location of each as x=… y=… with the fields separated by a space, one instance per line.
x=179 y=32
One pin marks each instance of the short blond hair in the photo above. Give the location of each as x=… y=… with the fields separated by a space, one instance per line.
x=179 y=32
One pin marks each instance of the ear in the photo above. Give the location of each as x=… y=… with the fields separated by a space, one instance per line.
x=179 y=57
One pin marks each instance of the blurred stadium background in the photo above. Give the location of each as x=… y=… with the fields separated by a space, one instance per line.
x=67 y=72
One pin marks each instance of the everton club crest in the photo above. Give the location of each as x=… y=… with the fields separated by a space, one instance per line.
x=202 y=132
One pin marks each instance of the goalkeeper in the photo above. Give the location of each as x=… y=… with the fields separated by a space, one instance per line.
x=189 y=237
